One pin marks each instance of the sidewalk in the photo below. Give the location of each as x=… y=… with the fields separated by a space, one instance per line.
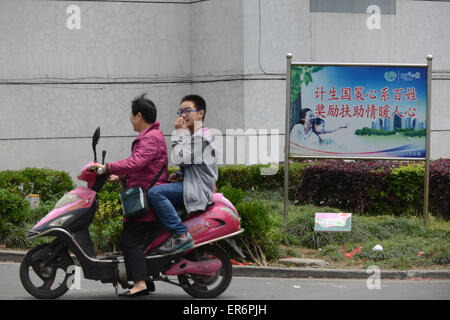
x=271 y=272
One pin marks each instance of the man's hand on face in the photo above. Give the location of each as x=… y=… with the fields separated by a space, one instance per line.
x=180 y=124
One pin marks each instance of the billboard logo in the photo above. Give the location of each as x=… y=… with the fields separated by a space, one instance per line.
x=390 y=75
x=409 y=76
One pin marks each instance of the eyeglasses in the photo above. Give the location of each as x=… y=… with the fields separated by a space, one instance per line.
x=185 y=111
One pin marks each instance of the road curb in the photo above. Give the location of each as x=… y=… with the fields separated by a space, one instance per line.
x=14 y=256
x=271 y=272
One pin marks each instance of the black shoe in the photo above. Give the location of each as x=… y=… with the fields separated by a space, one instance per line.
x=150 y=285
x=176 y=244
x=128 y=294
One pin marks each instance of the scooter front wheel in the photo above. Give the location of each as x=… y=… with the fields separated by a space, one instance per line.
x=46 y=280
x=202 y=286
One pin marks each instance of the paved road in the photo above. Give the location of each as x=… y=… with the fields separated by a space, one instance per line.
x=243 y=288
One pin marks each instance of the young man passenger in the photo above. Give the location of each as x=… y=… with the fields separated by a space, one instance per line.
x=193 y=185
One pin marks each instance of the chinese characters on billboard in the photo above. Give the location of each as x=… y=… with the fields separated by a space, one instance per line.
x=358 y=111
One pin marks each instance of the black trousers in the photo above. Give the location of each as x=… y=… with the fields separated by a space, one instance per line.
x=131 y=242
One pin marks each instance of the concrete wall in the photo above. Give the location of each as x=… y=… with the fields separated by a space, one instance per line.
x=57 y=85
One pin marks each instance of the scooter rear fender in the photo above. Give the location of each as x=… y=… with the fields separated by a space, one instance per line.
x=217 y=222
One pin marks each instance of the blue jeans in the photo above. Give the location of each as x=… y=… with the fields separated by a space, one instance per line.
x=163 y=198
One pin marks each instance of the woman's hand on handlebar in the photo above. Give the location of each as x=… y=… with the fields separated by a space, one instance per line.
x=113 y=178
x=98 y=168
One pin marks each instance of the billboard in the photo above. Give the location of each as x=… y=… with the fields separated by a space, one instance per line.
x=358 y=111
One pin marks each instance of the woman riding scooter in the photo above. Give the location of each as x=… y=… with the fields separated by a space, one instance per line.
x=148 y=158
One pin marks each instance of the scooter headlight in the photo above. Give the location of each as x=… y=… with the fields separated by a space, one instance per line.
x=60 y=221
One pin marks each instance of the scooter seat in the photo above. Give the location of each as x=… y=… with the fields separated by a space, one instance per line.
x=184 y=215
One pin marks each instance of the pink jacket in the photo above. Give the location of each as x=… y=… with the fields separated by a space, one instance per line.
x=148 y=155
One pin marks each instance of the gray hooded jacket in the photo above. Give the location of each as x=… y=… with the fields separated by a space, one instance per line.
x=196 y=156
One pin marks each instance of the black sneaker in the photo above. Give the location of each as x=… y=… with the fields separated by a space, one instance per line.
x=176 y=245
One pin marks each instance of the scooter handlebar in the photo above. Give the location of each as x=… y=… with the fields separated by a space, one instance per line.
x=97 y=170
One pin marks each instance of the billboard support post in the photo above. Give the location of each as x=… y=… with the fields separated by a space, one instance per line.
x=286 y=136
x=427 y=144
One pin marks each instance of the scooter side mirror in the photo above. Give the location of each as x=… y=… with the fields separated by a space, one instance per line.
x=95 y=139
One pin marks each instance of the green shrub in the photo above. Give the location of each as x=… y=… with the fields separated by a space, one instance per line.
x=15 y=214
x=406 y=184
x=261 y=238
x=14 y=210
x=49 y=184
x=235 y=195
x=107 y=225
x=13 y=179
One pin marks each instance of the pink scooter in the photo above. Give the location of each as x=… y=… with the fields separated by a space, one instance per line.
x=203 y=271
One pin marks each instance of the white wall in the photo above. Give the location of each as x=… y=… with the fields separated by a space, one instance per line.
x=58 y=84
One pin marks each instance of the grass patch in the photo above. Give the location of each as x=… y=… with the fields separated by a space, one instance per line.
x=406 y=242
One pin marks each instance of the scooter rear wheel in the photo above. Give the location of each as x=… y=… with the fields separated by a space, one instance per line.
x=46 y=281
x=201 y=286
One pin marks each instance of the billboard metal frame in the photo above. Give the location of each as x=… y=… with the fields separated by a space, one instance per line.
x=287 y=156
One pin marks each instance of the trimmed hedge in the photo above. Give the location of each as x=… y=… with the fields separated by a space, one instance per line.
x=375 y=187
x=440 y=187
x=250 y=177
x=371 y=187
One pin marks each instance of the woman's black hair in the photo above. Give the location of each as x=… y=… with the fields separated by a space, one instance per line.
x=145 y=106
x=303 y=115
x=315 y=122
